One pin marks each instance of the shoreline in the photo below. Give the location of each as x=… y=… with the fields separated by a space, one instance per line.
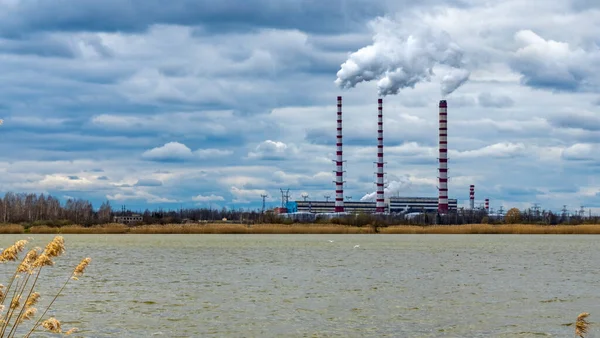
x=312 y=228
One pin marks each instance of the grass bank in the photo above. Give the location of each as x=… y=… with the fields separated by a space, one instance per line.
x=583 y=229
x=227 y=228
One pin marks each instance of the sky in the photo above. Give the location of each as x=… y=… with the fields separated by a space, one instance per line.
x=202 y=103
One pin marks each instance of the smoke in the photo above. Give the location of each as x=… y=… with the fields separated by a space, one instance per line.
x=454 y=79
x=393 y=189
x=398 y=59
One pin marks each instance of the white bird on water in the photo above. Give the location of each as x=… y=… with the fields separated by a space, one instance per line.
x=357 y=246
x=330 y=241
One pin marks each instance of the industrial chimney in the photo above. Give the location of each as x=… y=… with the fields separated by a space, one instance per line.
x=443 y=159
x=339 y=178
x=472 y=197
x=487 y=205
x=380 y=205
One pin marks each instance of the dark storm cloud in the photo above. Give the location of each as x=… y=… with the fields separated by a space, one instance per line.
x=36 y=45
x=138 y=15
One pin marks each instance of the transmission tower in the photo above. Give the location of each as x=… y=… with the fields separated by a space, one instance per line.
x=501 y=211
x=327 y=197
x=536 y=209
x=564 y=210
x=285 y=197
x=304 y=196
x=349 y=198
x=581 y=211
x=263 y=199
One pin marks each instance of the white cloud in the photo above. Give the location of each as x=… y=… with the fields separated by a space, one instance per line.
x=246 y=195
x=498 y=150
x=172 y=151
x=209 y=198
x=552 y=64
x=582 y=152
x=272 y=150
x=140 y=195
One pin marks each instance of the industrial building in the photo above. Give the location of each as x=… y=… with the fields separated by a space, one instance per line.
x=391 y=205
x=329 y=207
x=417 y=204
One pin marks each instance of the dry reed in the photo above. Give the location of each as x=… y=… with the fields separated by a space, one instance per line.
x=312 y=228
x=581 y=325
x=217 y=228
x=584 y=229
x=111 y=228
x=11 y=229
x=18 y=298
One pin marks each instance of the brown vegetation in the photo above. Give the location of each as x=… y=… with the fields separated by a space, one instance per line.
x=302 y=228
x=18 y=299
x=11 y=229
x=111 y=228
x=584 y=229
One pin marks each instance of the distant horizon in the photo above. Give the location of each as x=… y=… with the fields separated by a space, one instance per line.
x=116 y=207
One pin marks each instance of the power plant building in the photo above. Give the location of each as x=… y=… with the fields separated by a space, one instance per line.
x=392 y=205
x=417 y=204
x=440 y=204
x=329 y=207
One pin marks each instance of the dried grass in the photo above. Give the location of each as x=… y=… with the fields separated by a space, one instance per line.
x=584 y=229
x=231 y=228
x=18 y=298
x=582 y=325
x=11 y=229
x=216 y=228
x=111 y=228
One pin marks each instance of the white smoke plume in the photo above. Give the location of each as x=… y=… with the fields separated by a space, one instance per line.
x=398 y=59
x=394 y=188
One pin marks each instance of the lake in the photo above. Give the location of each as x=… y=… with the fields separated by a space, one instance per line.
x=307 y=286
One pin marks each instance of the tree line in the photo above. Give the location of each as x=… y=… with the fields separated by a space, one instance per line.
x=40 y=209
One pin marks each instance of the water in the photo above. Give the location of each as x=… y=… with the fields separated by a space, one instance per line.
x=306 y=286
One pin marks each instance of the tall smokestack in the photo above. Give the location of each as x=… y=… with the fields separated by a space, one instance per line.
x=380 y=205
x=443 y=159
x=339 y=178
x=472 y=197
x=487 y=205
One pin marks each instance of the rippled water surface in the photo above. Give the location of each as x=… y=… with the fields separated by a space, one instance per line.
x=307 y=286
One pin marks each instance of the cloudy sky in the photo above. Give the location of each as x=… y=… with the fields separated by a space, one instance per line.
x=213 y=103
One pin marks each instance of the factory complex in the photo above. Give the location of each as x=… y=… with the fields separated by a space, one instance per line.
x=441 y=204
x=391 y=205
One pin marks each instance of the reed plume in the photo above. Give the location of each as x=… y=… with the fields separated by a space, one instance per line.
x=582 y=325
x=20 y=291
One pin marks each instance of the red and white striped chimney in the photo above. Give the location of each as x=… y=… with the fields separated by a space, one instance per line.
x=339 y=178
x=487 y=205
x=380 y=205
x=443 y=159
x=472 y=197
